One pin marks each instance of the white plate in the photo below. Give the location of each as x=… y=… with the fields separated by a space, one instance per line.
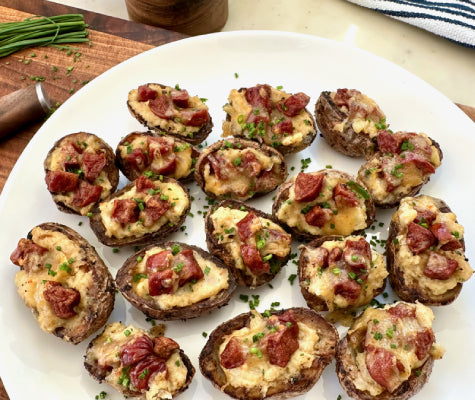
x=38 y=365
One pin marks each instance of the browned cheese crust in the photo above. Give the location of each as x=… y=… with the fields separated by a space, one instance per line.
x=253 y=178
x=152 y=309
x=193 y=135
x=100 y=289
x=211 y=368
x=336 y=124
x=134 y=165
x=63 y=157
x=244 y=277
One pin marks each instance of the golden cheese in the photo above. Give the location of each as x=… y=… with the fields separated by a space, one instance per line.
x=258 y=371
x=214 y=281
x=31 y=285
x=176 y=196
x=344 y=222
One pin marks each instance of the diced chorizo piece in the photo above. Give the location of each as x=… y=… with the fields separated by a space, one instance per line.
x=275 y=236
x=357 y=253
x=180 y=98
x=250 y=164
x=125 y=211
x=137 y=159
x=163 y=347
x=388 y=166
x=288 y=318
x=419 y=143
x=61 y=181
x=423 y=342
x=245 y=226
x=192 y=117
x=233 y=355
x=318 y=216
x=86 y=194
x=69 y=153
x=62 y=299
x=187 y=268
x=320 y=257
x=424 y=216
x=440 y=267
x=259 y=96
x=162 y=282
x=166 y=165
x=219 y=166
x=307 y=186
x=162 y=107
x=451 y=246
x=24 y=249
x=335 y=256
x=344 y=196
x=93 y=164
x=253 y=260
x=419 y=161
x=161 y=144
x=159 y=261
x=293 y=104
x=401 y=311
x=388 y=142
x=442 y=234
x=136 y=350
x=349 y=289
x=144 y=184
x=145 y=93
x=382 y=366
x=141 y=372
x=281 y=345
x=419 y=239
x=343 y=96
x=155 y=208
x=282 y=127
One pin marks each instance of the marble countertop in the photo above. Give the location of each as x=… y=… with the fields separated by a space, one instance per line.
x=447 y=66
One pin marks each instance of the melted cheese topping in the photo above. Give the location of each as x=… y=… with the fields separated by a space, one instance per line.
x=215 y=280
x=108 y=346
x=142 y=109
x=344 y=222
x=237 y=182
x=31 y=285
x=322 y=282
x=393 y=337
x=225 y=230
x=179 y=204
x=238 y=110
x=258 y=371
x=413 y=265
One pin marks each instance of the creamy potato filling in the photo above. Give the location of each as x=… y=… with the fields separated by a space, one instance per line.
x=214 y=281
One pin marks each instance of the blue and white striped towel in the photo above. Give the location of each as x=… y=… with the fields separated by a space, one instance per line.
x=452 y=19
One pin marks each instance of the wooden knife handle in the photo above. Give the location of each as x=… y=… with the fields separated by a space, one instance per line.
x=22 y=107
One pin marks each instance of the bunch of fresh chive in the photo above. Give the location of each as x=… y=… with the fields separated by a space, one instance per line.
x=42 y=31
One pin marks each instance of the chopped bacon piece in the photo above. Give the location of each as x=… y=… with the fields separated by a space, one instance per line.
x=424 y=216
x=388 y=166
x=155 y=208
x=165 y=165
x=308 y=186
x=187 y=267
x=275 y=236
x=86 y=194
x=388 y=142
x=357 y=253
x=141 y=372
x=144 y=184
x=62 y=299
x=137 y=159
x=344 y=196
x=180 y=98
x=250 y=164
x=244 y=226
x=402 y=310
x=349 y=289
x=162 y=282
x=136 y=350
x=125 y=211
x=320 y=257
x=334 y=256
x=282 y=344
x=192 y=117
x=419 y=239
x=318 y=216
x=293 y=104
x=440 y=267
x=162 y=144
x=423 y=342
x=159 y=261
x=382 y=366
x=61 y=181
x=93 y=164
x=145 y=93
x=253 y=260
x=24 y=249
x=163 y=347
x=233 y=355
x=162 y=107
x=259 y=96
x=282 y=127
x=419 y=161
x=219 y=165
